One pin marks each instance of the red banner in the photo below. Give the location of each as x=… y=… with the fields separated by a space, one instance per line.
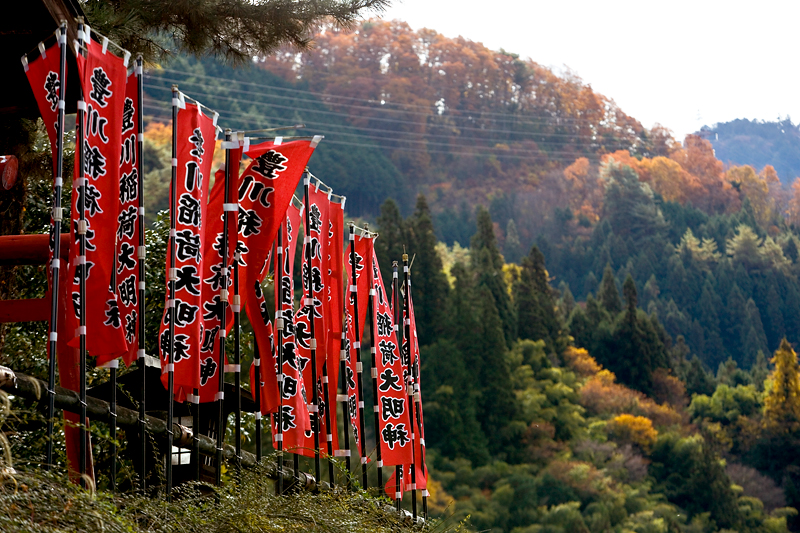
x=419 y=421
x=267 y=363
x=126 y=273
x=363 y=256
x=43 y=76
x=293 y=392
x=394 y=429
x=196 y=143
x=103 y=76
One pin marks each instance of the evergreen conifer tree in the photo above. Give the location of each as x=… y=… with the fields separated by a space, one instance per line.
x=533 y=296
x=608 y=293
x=393 y=238
x=512 y=249
x=782 y=404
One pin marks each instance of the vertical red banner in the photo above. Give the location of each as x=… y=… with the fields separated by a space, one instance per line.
x=196 y=143
x=395 y=430
x=126 y=272
x=103 y=82
x=294 y=413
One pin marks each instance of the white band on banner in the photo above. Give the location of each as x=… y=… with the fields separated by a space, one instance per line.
x=257 y=361
x=405 y=268
x=141 y=252
x=25 y=63
x=223 y=333
x=175 y=161
x=53 y=336
x=374 y=373
x=236 y=299
x=280 y=250
x=105 y=46
x=140 y=354
x=56 y=263
x=279 y=378
x=246 y=144
x=258 y=415
x=408 y=321
x=111 y=364
x=312 y=408
x=173 y=274
x=380 y=463
x=422 y=441
x=278 y=437
x=87 y=36
x=279 y=324
x=236 y=308
x=410 y=390
x=83 y=226
x=359 y=367
x=306 y=240
x=394 y=274
x=229 y=145
x=306 y=180
x=230 y=207
x=215 y=118
x=80 y=182
x=372 y=292
x=325 y=379
x=219 y=396
x=330 y=193
x=233 y=368
x=342 y=355
x=376 y=409
x=62 y=104
x=329 y=437
x=81 y=106
x=353 y=288
x=141 y=211
x=223 y=295
x=308 y=301
x=142 y=285
x=278 y=141
x=341 y=397
x=191 y=398
x=361 y=404
x=315 y=141
x=373 y=350
x=398 y=495
x=59 y=182
x=363 y=460
x=138 y=70
x=352 y=237
x=313 y=344
x=396 y=327
x=81 y=259
x=170 y=303
x=341 y=453
x=412 y=486
x=416 y=396
x=356 y=344
x=126 y=59
x=223 y=271
x=168 y=368
x=140 y=136
x=343 y=201
x=425 y=493
x=173 y=233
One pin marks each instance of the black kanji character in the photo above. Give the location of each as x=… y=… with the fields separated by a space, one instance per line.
x=100 y=85
x=185 y=313
x=130 y=326
x=126 y=222
x=287 y=418
x=392 y=435
x=51 y=87
x=255 y=191
x=79 y=268
x=96 y=124
x=302 y=334
x=90 y=196
x=125 y=260
x=270 y=164
x=359 y=263
x=193 y=177
x=316 y=278
x=209 y=337
x=127 y=290
x=314 y=216
x=128 y=153
x=388 y=356
x=127 y=115
x=112 y=313
x=249 y=222
x=76 y=303
x=350 y=376
x=392 y=407
x=215 y=280
x=129 y=187
x=213 y=309
x=189 y=210
x=197 y=140
x=188 y=245
x=208 y=368
x=390 y=381
x=352 y=406
x=94 y=162
x=385 y=326
x=289 y=388
x=188 y=279
x=316 y=248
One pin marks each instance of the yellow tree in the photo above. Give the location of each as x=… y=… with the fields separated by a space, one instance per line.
x=782 y=404
x=793 y=210
x=670 y=180
x=755 y=188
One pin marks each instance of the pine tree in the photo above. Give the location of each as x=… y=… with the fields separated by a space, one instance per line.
x=392 y=240
x=533 y=296
x=430 y=287
x=608 y=293
x=782 y=404
x=487 y=263
x=697 y=379
x=512 y=249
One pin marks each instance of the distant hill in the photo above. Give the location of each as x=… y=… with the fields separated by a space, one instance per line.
x=756 y=143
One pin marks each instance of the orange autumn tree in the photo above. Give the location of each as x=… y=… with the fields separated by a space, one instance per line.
x=753 y=187
x=715 y=194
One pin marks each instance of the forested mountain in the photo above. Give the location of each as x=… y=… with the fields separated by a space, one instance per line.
x=758 y=143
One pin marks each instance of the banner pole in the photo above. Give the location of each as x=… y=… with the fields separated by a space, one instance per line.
x=55 y=232
x=140 y=257
x=309 y=303
x=343 y=356
x=277 y=282
x=328 y=433
x=357 y=346
x=112 y=409
x=223 y=318
x=81 y=261
x=237 y=333
x=398 y=469
x=256 y=388
x=172 y=279
x=410 y=384
x=374 y=371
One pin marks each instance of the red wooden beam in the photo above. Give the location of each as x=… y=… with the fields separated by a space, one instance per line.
x=29 y=249
x=34 y=310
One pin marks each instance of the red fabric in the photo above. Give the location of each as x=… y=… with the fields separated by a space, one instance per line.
x=394 y=428
x=43 y=75
x=419 y=425
x=333 y=309
x=363 y=252
x=267 y=383
x=103 y=77
x=294 y=401
x=127 y=264
x=196 y=143
x=212 y=274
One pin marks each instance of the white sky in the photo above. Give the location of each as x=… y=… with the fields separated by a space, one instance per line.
x=680 y=63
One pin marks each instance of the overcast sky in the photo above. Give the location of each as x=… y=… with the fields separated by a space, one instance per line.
x=680 y=63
